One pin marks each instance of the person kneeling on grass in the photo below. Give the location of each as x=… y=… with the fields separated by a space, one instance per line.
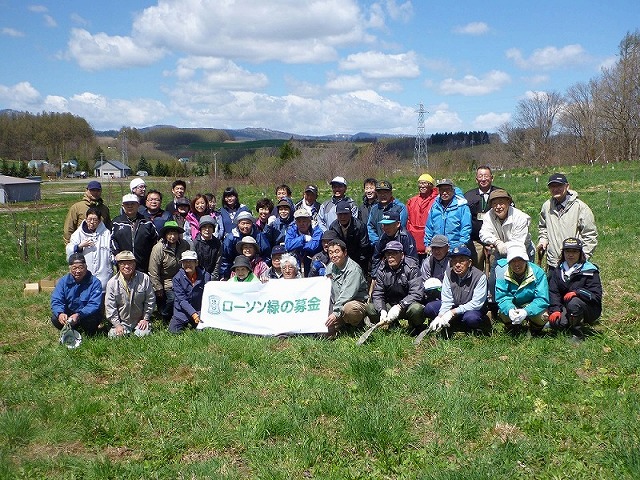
x=241 y=269
x=130 y=300
x=464 y=294
x=77 y=298
x=575 y=290
x=522 y=291
x=188 y=287
x=398 y=288
x=349 y=289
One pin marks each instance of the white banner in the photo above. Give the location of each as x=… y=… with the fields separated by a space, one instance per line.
x=272 y=308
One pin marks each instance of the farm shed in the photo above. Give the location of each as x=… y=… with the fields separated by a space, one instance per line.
x=111 y=169
x=14 y=189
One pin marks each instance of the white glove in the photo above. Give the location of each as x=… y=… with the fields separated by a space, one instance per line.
x=521 y=314
x=394 y=313
x=513 y=314
x=436 y=324
x=446 y=317
x=383 y=316
x=307 y=238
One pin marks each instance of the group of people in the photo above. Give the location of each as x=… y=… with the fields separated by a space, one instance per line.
x=445 y=260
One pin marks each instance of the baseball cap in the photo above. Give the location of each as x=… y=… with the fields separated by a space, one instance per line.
x=129 y=198
x=279 y=250
x=94 y=185
x=182 y=201
x=311 y=188
x=499 y=193
x=343 y=207
x=384 y=185
x=188 y=255
x=557 y=178
x=329 y=235
x=460 y=250
x=390 y=217
x=445 y=181
x=572 y=243
x=439 y=241
x=394 y=246
x=340 y=180
x=76 y=258
x=283 y=203
x=516 y=250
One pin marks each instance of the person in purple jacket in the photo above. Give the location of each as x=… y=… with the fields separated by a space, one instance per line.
x=188 y=288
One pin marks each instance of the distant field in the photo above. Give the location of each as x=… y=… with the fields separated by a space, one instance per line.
x=216 y=405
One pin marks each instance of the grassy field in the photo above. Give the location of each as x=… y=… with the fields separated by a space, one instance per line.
x=215 y=405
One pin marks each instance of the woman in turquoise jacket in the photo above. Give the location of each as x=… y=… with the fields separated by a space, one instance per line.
x=522 y=290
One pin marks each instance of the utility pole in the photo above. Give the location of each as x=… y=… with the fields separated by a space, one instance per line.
x=420 y=154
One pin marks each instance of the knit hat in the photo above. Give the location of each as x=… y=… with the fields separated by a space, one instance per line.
x=425 y=177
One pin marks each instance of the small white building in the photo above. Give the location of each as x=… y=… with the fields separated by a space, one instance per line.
x=14 y=189
x=111 y=169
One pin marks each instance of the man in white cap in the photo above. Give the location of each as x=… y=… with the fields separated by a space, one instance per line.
x=130 y=300
x=522 y=291
x=134 y=232
x=418 y=208
x=139 y=189
x=327 y=213
x=564 y=215
x=188 y=288
x=303 y=240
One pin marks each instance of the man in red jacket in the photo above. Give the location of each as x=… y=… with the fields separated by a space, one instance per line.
x=418 y=210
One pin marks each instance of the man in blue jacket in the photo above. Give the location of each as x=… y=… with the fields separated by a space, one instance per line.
x=449 y=216
x=386 y=203
x=77 y=298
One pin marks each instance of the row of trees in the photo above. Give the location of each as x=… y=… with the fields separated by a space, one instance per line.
x=44 y=136
x=593 y=121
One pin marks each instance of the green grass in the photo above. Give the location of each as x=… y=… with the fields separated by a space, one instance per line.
x=215 y=405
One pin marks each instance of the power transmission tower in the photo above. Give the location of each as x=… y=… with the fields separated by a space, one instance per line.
x=125 y=153
x=420 y=154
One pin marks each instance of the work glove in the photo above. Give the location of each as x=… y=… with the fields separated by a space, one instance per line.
x=568 y=296
x=394 y=313
x=519 y=317
x=307 y=238
x=437 y=324
x=513 y=313
x=554 y=318
x=446 y=318
x=383 y=316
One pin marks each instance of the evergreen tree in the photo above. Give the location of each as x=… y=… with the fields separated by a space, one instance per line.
x=143 y=165
x=23 y=170
x=5 y=167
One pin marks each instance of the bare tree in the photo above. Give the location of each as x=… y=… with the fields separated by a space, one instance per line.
x=580 y=121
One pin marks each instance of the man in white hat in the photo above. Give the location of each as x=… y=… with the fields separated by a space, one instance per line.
x=303 y=240
x=188 y=289
x=130 y=300
x=134 y=232
x=327 y=213
x=139 y=188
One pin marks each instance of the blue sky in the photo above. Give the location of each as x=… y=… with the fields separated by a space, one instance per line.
x=307 y=67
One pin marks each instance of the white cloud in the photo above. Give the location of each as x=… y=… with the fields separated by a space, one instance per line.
x=490 y=121
x=440 y=119
x=100 y=51
x=346 y=83
x=549 y=58
x=11 y=32
x=207 y=73
x=285 y=30
x=21 y=96
x=38 y=8
x=377 y=65
x=473 y=28
x=79 y=20
x=50 y=21
x=537 y=79
x=403 y=11
x=471 y=85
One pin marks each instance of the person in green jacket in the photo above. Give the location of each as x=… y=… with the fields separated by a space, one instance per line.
x=522 y=291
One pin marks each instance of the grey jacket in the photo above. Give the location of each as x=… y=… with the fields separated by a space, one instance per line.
x=576 y=221
x=128 y=305
x=402 y=286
